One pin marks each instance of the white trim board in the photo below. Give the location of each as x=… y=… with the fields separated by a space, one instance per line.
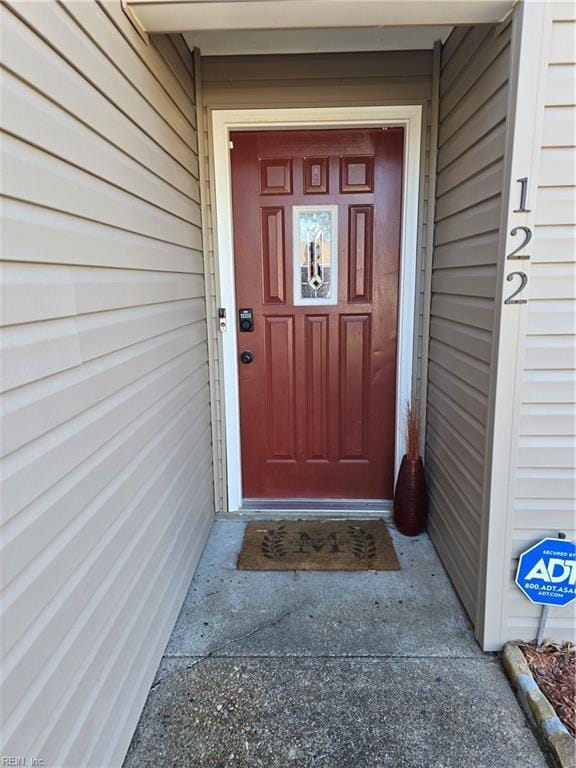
x=224 y=121
x=531 y=41
x=248 y=42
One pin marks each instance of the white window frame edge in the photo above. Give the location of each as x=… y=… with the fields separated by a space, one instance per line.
x=226 y=120
x=531 y=45
x=298 y=301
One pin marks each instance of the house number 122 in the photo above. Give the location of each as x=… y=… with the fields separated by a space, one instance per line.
x=515 y=254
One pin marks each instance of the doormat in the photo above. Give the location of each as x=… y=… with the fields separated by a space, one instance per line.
x=302 y=545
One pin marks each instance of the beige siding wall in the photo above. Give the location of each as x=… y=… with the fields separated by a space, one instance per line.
x=312 y=80
x=545 y=471
x=106 y=458
x=474 y=96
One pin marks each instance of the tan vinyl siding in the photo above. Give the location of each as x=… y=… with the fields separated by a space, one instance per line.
x=475 y=69
x=545 y=472
x=324 y=80
x=107 y=492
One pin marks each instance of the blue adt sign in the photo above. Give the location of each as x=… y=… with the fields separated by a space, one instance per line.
x=547 y=572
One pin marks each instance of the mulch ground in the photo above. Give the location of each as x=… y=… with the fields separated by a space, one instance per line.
x=554 y=669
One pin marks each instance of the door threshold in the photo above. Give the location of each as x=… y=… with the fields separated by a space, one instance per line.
x=332 y=509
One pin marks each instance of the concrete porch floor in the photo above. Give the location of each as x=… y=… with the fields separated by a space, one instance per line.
x=328 y=670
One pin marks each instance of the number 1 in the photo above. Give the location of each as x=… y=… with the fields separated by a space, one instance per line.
x=523 y=193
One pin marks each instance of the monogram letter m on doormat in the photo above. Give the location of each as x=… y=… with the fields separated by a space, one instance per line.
x=344 y=545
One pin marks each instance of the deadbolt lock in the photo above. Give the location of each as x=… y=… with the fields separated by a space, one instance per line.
x=246 y=319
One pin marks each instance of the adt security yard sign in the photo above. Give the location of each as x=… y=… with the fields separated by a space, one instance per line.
x=547 y=572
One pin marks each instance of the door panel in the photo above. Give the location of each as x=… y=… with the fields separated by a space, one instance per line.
x=360 y=240
x=317 y=242
x=273 y=255
x=316 y=382
x=279 y=386
x=354 y=386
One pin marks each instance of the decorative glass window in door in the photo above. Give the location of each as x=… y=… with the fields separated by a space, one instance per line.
x=315 y=237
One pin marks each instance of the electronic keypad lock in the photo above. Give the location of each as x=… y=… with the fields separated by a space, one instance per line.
x=246 y=317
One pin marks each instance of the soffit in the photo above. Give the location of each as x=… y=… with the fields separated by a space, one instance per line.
x=203 y=15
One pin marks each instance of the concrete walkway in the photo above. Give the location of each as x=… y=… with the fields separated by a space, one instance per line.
x=328 y=670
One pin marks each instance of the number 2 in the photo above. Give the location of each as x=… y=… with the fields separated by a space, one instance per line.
x=527 y=237
x=523 y=282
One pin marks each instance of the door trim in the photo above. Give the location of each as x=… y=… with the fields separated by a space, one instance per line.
x=226 y=120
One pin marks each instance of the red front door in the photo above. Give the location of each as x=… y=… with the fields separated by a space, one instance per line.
x=317 y=241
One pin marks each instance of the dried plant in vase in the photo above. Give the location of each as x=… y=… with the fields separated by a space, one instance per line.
x=411 y=497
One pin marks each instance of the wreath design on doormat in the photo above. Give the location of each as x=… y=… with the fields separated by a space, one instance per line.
x=363 y=543
x=273 y=544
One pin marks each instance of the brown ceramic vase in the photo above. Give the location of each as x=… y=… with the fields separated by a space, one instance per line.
x=411 y=498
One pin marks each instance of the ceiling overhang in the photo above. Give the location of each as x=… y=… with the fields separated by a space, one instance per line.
x=219 y=15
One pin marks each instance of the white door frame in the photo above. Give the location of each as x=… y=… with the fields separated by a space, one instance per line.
x=226 y=120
